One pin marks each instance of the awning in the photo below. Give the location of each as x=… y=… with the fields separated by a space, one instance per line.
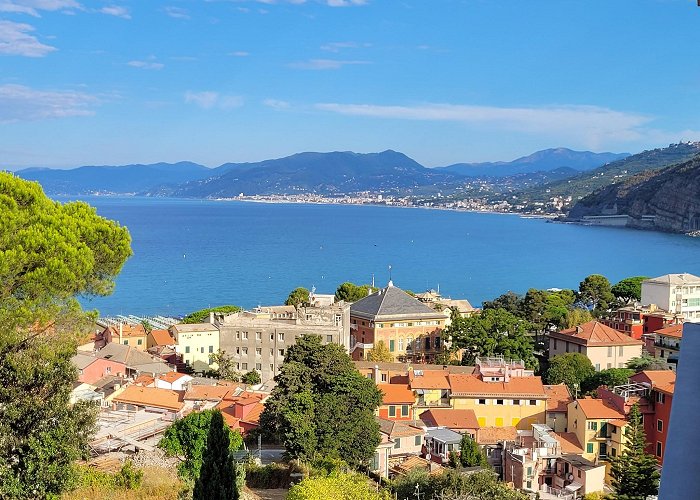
x=420 y=391
x=573 y=486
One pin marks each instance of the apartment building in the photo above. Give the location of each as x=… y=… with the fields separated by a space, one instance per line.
x=676 y=293
x=667 y=344
x=662 y=384
x=195 y=344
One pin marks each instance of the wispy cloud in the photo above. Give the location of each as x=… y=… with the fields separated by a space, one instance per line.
x=150 y=63
x=116 y=11
x=590 y=124
x=330 y=3
x=21 y=103
x=16 y=40
x=208 y=99
x=323 y=64
x=338 y=46
x=345 y=3
x=32 y=7
x=177 y=12
x=276 y=104
x=239 y=53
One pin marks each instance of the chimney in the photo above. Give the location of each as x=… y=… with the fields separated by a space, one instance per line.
x=120 y=333
x=375 y=371
x=211 y=317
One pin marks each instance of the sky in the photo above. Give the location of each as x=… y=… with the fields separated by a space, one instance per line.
x=443 y=81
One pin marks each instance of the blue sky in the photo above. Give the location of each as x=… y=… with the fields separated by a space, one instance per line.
x=115 y=82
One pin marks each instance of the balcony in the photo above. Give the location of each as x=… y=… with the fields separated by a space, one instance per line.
x=666 y=345
x=442 y=403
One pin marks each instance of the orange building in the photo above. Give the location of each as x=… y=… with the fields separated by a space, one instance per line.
x=397 y=402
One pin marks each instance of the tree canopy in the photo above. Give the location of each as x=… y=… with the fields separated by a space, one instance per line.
x=594 y=292
x=571 y=368
x=646 y=362
x=469 y=454
x=251 y=378
x=297 y=297
x=49 y=254
x=316 y=384
x=187 y=439
x=217 y=477
x=202 y=316
x=451 y=485
x=350 y=292
x=337 y=486
x=380 y=353
x=635 y=474
x=610 y=377
x=226 y=366
x=629 y=289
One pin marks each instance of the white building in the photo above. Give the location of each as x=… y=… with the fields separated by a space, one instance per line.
x=675 y=293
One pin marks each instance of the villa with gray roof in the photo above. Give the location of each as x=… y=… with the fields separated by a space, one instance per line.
x=411 y=330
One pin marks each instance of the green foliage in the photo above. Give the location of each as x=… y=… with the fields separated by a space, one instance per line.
x=629 y=289
x=469 y=454
x=595 y=293
x=128 y=477
x=541 y=308
x=493 y=332
x=202 y=316
x=251 y=378
x=452 y=485
x=270 y=476
x=217 y=476
x=316 y=384
x=49 y=254
x=571 y=368
x=187 y=439
x=634 y=472
x=225 y=366
x=646 y=362
x=336 y=486
x=510 y=301
x=380 y=353
x=297 y=297
x=610 y=377
x=577 y=316
x=350 y=292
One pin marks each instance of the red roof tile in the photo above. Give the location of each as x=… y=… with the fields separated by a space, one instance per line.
x=433 y=379
x=206 y=392
x=450 y=418
x=172 y=377
x=472 y=385
x=594 y=333
x=162 y=337
x=675 y=331
x=568 y=442
x=558 y=397
x=396 y=393
x=660 y=380
x=151 y=396
x=493 y=435
x=598 y=409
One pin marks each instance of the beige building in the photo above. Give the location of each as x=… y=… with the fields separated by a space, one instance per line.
x=196 y=343
x=605 y=347
x=258 y=339
x=675 y=293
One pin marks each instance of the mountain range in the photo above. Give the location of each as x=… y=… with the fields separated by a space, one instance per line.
x=322 y=173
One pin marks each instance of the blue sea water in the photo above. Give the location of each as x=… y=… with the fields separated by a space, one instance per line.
x=190 y=254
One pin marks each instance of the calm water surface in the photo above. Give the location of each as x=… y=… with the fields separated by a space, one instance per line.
x=192 y=254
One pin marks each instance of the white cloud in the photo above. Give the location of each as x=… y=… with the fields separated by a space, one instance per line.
x=338 y=46
x=150 y=64
x=209 y=99
x=322 y=64
x=32 y=7
x=177 y=12
x=276 y=104
x=16 y=40
x=345 y=3
x=20 y=103
x=239 y=53
x=116 y=11
x=591 y=125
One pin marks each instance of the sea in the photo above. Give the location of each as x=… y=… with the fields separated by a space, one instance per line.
x=192 y=254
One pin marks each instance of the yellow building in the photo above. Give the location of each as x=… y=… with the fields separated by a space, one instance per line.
x=598 y=425
x=196 y=343
x=126 y=334
x=431 y=387
x=511 y=401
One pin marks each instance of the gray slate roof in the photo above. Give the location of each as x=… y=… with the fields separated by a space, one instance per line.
x=392 y=302
x=132 y=358
x=444 y=435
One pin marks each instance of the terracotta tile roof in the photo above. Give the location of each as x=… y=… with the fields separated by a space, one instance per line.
x=253 y=416
x=128 y=330
x=433 y=379
x=660 y=380
x=472 y=385
x=618 y=423
x=568 y=442
x=162 y=337
x=172 y=377
x=675 y=331
x=396 y=429
x=598 y=408
x=558 y=397
x=595 y=333
x=396 y=393
x=206 y=392
x=145 y=380
x=151 y=396
x=493 y=435
x=450 y=418
x=417 y=463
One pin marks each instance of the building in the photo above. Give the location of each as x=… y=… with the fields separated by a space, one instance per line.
x=406 y=440
x=502 y=394
x=410 y=329
x=493 y=440
x=136 y=361
x=558 y=399
x=667 y=344
x=604 y=346
x=258 y=339
x=396 y=372
x=91 y=368
x=662 y=384
x=127 y=334
x=397 y=402
x=676 y=293
x=159 y=338
x=637 y=320
x=174 y=381
x=440 y=442
x=195 y=343
x=432 y=389
x=433 y=299
x=462 y=421
x=151 y=399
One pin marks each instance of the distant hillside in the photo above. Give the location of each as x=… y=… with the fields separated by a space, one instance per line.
x=322 y=173
x=110 y=179
x=548 y=159
x=669 y=198
x=588 y=182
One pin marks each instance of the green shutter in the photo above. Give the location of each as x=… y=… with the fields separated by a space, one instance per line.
x=589 y=448
x=391 y=346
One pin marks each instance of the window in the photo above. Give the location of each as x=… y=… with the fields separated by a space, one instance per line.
x=610 y=351
x=529 y=473
x=375 y=462
x=659 y=425
x=533 y=402
x=329 y=339
x=660 y=397
x=613 y=452
x=401 y=344
x=211 y=348
x=609 y=366
x=597 y=367
x=272 y=352
x=258 y=351
x=280 y=353
x=555 y=344
x=658 y=448
x=437 y=342
x=244 y=335
x=592 y=426
x=201 y=350
x=391 y=346
x=397 y=443
x=427 y=343
x=272 y=367
x=418 y=441
x=244 y=350
x=499 y=401
x=280 y=337
x=258 y=366
x=244 y=366
x=126 y=342
x=404 y=410
x=482 y=401
x=392 y=411
x=187 y=349
x=139 y=342
x=383 y=377
x=620 y=350
x=589 y=448
x=516 y=402
x=258 y=336
x=579 y=473
x=272 y=337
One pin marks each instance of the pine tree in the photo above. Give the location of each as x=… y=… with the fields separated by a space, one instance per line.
x=217 y=477
x=634 y=472
x=470 y=455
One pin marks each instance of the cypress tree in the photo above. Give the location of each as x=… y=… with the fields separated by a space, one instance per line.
x=217 y=478
x=634 y=472
x=469 y=455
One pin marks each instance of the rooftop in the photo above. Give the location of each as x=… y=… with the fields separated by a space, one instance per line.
x=558 y=397
x=471 y=385
x=594 y=333
x=151 y=396
x=162 y=337
x=493 y=435
x=568 y=442
x=392 y=302
x=671 y=331
x=676 y=279
x=396 y=394
x=194 y=327
x=450 y=418
x=444 y=435
x=580 y=463
x=395 y=429
x=171 y=377
x=206 y=392
x=429 y=379
x=406 y=367
x=598 y=409
x=660 y=380
x=131 y=357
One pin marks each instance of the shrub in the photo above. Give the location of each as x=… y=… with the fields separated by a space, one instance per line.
x=129 y=477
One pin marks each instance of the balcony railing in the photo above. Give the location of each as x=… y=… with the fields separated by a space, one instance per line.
x=666 y=345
